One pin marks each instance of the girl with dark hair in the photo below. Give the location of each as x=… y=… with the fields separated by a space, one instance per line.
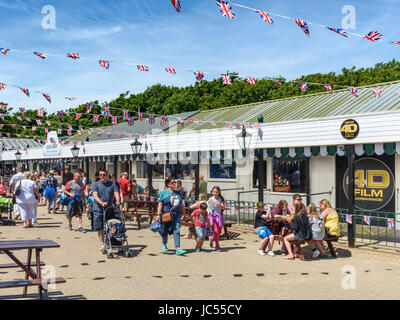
x=170 y=202
x=216 y=206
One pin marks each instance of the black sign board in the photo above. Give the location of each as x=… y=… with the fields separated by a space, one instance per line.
x=349 y=129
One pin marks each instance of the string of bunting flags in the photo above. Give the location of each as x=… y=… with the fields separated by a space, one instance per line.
x=390 y=222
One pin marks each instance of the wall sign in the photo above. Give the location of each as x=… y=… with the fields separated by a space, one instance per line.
x=52 y=148
x=349 y=129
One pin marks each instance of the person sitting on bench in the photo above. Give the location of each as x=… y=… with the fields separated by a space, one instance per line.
x=260 y=227
x=331 y=219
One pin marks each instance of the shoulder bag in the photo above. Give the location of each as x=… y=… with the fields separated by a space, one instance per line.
x=167 y=217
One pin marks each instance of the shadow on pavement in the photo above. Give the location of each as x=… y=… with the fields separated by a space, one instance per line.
x=57 y=295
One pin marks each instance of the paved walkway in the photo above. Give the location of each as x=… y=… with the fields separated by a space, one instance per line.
x=236 y=273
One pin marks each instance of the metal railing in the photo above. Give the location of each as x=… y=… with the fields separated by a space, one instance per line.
x=378 y=232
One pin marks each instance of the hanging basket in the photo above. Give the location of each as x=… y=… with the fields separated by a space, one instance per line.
x=282 y=189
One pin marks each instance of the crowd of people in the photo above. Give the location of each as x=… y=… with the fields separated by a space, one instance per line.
x=292 y=222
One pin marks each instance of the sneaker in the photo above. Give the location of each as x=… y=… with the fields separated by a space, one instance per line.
x=198 y=250
x=164 y=248
x=103 y=247
x=315 y=253
x=82 y=230
x=211 y=243
x=261 y=253
x=69 y=228
x=271 y=253
x=180 y=252
x=324 y=256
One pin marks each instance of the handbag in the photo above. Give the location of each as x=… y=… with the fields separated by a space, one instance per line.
x=167 y=217
x=155 y=226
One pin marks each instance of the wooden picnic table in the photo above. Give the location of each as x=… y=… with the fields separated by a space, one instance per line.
x=137 y=208
x=32 y=278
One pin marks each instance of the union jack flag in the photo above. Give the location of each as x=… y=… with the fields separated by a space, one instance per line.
x=99 y=133
x=73 y=56
x=114 y=120
x=78 y=116
x=339 y=31
x=395 y=42
x=106 y=112
x=367 y=220
x=276 y=81
x=26 y=91
x=390 y=223
x=88 y=108
x=250 y=80
x=8 y=135
x=38 y=122
x=95 y=118
x=354 y=91
x=328 y=87
x=47 y=97
x=131 y=136
x=373 y=36
x=265 y=16
x=59 y=131
x=4 y=51
x=13 y=125
x=142 y=67
x=170 y=70
x=33 y=128
x=140 y=116
x=2 y=86
x=69 y=132
x=125 y=115
x=226 y=79
x=229 y=124
x=199 y=75
x=2 y=116
x=225 y=8
x=40 y=113
x=40 y=55
x=131 y=121
x=163 y=121
x=246 y=209
x=151 y=119
x=104 y=64
x=23 y=127
x=27 y=119
x=180 y=120
x=46 y=130
x=48 y=123
x=303 y=86
x=303 y=25
x=177 y=5
x=377 y=93
x=22 y=110
x=109 y=134
x=19 y=118
x=3 y=107
x=70 y=98
x=61 y=114
x=69 y=127
x=213 y=123
x=349 y=219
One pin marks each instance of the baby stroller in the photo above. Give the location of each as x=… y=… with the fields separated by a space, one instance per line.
x=115 y=233
x=6 y=206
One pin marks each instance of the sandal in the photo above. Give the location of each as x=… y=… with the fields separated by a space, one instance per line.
x=289 y=258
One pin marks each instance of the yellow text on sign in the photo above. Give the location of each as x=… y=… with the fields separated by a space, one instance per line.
x=370 y=180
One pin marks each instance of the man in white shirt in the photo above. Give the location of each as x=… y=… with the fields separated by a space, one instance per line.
x=13 y=183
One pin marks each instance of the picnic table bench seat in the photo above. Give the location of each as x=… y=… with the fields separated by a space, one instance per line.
x=30 y=283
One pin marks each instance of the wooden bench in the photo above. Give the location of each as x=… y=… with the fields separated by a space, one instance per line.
x=14 y=265
x=139 y=208
x=30 y=283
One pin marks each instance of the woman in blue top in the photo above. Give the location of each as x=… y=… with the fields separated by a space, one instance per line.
x=170 y=200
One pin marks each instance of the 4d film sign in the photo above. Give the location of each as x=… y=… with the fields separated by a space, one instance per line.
x=373 y=184
x=350 y=129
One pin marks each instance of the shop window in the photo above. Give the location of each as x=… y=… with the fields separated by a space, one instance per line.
x=180 y=171
x=223 y=171
x=290 y=175
x=255 y=174
x=141 y=171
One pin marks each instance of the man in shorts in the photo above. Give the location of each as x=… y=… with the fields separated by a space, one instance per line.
x=74 y=189
x=104 y=191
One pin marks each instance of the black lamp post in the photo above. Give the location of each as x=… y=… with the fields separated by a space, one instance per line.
x=244 y=139
x=260 y=168
x=18 y=155
x=75 y=152
x=136 y=147
x=351 y=159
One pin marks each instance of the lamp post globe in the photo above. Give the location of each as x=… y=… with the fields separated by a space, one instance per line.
x=136 y=146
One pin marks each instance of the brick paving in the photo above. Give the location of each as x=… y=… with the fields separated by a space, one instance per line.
x=235 y=273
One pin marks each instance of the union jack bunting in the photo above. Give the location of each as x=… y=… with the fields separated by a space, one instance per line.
x=40 y=55
x=373 y=36
x=38 y=122
x=59 y=131
x=125 y=115
x=395 y=42
x=95 y=118
x=142 y=68
x=13 y=125
x=46 y=130
x=70 y=127
x=114 y=120
x=27 y=119
x=99 y=133
x=170 y=70
x=19 y=118
x=140 y=116
x=109 y=134
x=69 y=132
x=163 y=121
x=70 y=98
x=276 y=81
x=73 y=56
x=105 y=64
x=199 y=75
x=225 y=8
x=3 y=107
x=8 y=135
x=177 y=5
x=131 y=136
x=4 y=51
x=2 y=116
x=354 y=91
x=2 y=86
x=22 y=110
x=303 y=86
x=213 y=123
x=265 y=16
x=303 y=25
x=328 y=87
x=180 y=120
x=23 y=127
x=106 y=112
x=88 y=108
x=398 y=93
x=367 y=220
x=246 y=209
x=48 y=123
x=250 y=80
x=61 y=114
x=349 y=219
x=339 y=31
x=226 y=79
x=131 y=121
x=26 y=91
x=390 y=223
x=377 y=93
x=151 y=119
x=33 y=128
x=78 y=116
x=40 y=113
x=47 y=97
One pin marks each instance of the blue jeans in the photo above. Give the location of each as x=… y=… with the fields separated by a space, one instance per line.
x=175 y=227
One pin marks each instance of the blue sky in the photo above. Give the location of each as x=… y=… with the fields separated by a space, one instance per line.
x=151 y=32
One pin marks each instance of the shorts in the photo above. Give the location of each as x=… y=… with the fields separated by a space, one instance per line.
x=263 y=232
x=74 y=210
x=201 y=232
x=98 y=221
x=125 y=204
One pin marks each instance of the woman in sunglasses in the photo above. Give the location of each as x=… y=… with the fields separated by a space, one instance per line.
x=170 y=201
